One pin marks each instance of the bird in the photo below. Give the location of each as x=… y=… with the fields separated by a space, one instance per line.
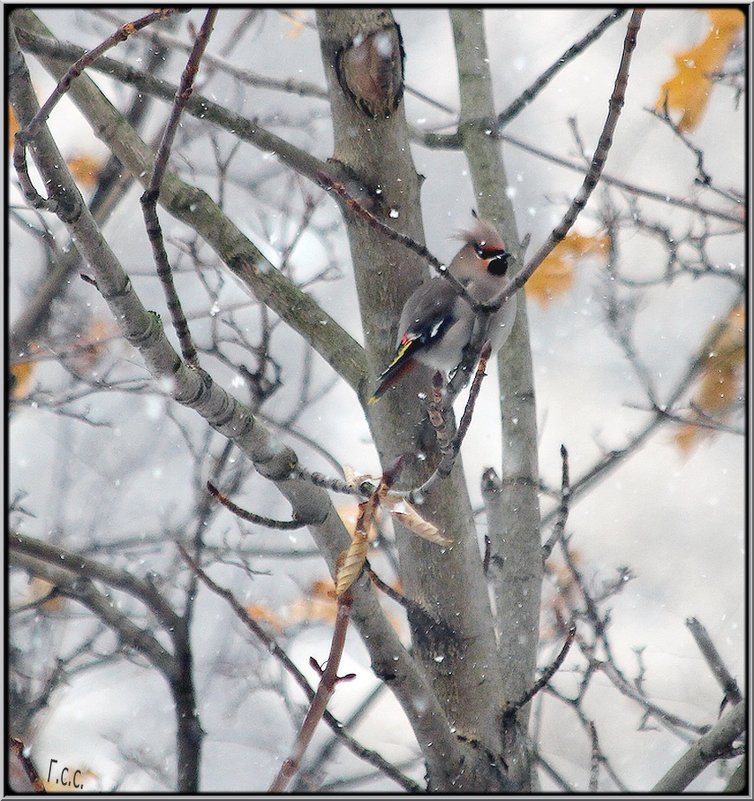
x=437 y=321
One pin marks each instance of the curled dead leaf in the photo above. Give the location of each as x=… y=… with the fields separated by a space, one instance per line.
x=407 y=516
x=350 y=564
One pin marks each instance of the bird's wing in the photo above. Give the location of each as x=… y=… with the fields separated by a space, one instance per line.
x=428 y=313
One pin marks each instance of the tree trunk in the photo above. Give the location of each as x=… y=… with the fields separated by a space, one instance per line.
x=457 y=651
x=516 y=552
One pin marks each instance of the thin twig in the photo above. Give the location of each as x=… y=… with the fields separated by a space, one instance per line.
x=428 y=140
x=149 y=198
x=436 y=413
x=24 y=137
x=523 y=100
x=334 y=484
x=594 y=772
x=251 y=517
x=591 y=179
x=453 y=140
x=279 y=653
x=449 y=457
x=703 y=177
x=328 y=681
x=547 y=674
x=302 y=88
x=413 y=608
x=198 y=105
x=552 y=773
x=565 y=496
x=411 y=244
x=615 y=457
x=714 y=661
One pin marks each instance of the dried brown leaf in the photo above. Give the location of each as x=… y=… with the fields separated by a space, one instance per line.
x=350 y=564
x=407 y=516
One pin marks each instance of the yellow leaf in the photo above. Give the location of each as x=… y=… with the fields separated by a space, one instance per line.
x=323 y=589
x=688 y=90
x=720 y=385
x=318 y=605
x=91 y=344
x=85 y=169
x=40 y=588
x=261 y=614
x=687 y=437
x=296 y=18
x=21 y=373
x=556 y=274
x=13 y=127
x=721 y=382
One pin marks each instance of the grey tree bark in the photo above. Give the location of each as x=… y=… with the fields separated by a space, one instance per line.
x=459 y=652
x=516 y=554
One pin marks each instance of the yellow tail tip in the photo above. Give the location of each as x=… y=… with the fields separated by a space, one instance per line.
x=372 y=400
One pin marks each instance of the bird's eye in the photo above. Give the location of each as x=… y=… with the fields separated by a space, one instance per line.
x=498 y=265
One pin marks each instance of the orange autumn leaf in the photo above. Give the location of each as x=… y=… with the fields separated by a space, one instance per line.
x=39 y=589
x=721 y=382
x=296 y=18
x=21 y=373
x=261 y=614
x=689 y=89
x=91 y=344
x=556 y=274
x=85 y=169
x=317 y=606
x=13 y=127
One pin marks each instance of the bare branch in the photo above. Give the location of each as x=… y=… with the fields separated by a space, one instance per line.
x=591 y=179
x=196 y=208
x=82 y=589
x=25 y=136
x=279 y=653
x=523 y=100
x=453 y=140
x=445 y=467
x=149 y=198
x=565 y=496
x=328 y=680
x=547 y=674
x=714 y=745
x=282 y=525
x=715 y=661
x=139 y=589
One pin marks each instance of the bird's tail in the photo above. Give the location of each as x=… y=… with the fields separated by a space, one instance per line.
x=394 y=373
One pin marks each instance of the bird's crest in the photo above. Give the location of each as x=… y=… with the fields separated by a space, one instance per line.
x=480 y=233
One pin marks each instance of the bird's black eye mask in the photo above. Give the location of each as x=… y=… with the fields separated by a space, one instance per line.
x=498 y=259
